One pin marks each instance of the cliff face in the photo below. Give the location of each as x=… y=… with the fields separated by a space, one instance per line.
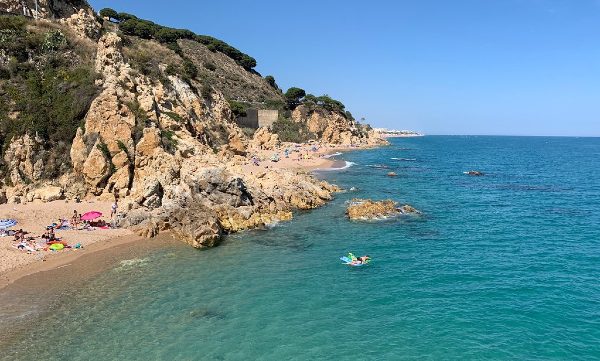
x=334 y=128
x=167 y=147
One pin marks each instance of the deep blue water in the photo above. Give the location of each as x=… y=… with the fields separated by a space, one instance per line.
x=499 y=267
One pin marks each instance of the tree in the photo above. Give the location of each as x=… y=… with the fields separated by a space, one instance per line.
x=166 y=35
x=271 y=80
x=109 y=13
x=293 y=96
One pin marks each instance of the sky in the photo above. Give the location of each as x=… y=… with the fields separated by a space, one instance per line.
x=498 y=67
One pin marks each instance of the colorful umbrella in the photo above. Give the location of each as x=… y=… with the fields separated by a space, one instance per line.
x=7 y=223
x=91 y=215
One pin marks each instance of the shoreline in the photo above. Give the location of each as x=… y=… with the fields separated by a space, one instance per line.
x=32 y=264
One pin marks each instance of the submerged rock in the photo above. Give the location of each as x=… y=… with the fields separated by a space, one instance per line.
x=475 y=173
x=366 y=209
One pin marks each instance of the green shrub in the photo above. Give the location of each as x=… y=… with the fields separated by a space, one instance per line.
x=206 y=91
x=210 y=66
x=51 y=102
x=189 y=71
x=12 y=23
x=238 y=108
x=271 y=81
x=106 y=153
x=168 y=140
x=53 y=41
x=171 y=69
x=289 y=131
x=176 y=117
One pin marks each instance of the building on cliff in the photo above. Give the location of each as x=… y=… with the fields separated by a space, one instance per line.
x=256 y=118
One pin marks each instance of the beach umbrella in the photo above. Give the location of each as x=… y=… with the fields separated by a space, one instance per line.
x=91 y=215
x=7 y=223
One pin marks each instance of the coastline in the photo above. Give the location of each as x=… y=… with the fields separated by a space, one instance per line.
x=22 y=265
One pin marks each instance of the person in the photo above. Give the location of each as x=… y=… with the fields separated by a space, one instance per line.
x=364 y=259
x=74 y=219
x=113 y=210
x=20 y=235
x=49 y=235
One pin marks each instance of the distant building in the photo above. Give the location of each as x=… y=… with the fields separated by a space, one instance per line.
x=256 y=118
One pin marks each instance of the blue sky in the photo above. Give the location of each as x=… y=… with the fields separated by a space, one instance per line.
x=511 y=67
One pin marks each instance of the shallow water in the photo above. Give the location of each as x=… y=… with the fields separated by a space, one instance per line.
x=499 y=267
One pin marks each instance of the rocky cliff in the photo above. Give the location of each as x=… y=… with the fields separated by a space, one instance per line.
x=165 y=145
x=334 y=127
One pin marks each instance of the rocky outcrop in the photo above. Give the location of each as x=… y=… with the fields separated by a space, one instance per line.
x=171 y=150
x=366 y=209
x=264 y=139
x=333 y=127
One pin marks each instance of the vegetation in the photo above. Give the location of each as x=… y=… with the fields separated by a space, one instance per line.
x=271 y=80
x=328 y=103
x=109 y=13
x=168 y=140
x=106 y=153
x=131 y=25
x=289 y=131
x=238 y=108
x=293 y=96
x=176 y=117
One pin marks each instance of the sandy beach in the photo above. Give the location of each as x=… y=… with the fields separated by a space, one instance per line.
x=309 y=157
x=34 y=217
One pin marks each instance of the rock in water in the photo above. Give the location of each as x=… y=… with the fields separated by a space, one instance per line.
x=366 y=209
x=475 y=173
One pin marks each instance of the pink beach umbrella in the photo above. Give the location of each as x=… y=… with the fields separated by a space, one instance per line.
x=91 y=215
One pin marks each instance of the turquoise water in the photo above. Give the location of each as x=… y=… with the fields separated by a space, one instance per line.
x=500 y=267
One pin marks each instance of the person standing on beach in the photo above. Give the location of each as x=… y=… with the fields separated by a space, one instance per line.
x=113 y=210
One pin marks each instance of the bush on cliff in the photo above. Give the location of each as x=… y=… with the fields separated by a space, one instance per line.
x=289 y=131
x=47 y=88
x=132 y=25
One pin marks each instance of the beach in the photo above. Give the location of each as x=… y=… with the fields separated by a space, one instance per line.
x=34 y=217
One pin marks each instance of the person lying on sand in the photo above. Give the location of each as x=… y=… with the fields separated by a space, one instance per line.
x=49 y=234
x=20 y=235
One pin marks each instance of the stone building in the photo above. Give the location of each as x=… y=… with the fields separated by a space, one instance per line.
x=256 y=118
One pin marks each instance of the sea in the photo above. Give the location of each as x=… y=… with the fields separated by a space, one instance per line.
x=503 y=266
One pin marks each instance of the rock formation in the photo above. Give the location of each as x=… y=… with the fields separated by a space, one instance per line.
x=366 y=209
x=168 y=147
x=333 y=127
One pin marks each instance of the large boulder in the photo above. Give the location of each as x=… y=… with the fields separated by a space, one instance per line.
x=197 y=226
x=264 y=139
x=49 y=193
x=96 y=168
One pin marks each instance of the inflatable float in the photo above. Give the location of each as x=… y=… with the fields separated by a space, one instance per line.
x=351 y=260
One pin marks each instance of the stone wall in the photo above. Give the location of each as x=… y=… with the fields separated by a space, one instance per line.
x=266 y=117
x=258 y=118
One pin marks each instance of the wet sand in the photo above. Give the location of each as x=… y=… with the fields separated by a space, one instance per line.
x=44 y=284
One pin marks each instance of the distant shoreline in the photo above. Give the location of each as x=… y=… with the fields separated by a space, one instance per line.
x=391 y=135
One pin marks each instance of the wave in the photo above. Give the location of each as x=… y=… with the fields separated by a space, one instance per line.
x=346 y=166
x=405 y=159
x=332 y=155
